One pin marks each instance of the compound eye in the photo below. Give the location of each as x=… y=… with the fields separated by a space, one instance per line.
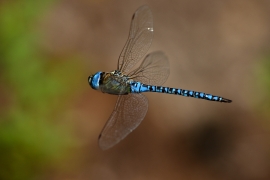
x=94 y=80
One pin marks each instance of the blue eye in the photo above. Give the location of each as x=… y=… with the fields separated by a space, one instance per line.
x=94 y=80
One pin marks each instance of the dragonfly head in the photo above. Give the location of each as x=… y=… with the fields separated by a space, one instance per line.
x=94 y=80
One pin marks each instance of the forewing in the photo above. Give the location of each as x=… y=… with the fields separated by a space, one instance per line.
x=154 y=70
x=139 y=40
x=128 y=113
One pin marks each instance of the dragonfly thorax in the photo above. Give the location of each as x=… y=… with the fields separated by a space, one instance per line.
x=114 y=82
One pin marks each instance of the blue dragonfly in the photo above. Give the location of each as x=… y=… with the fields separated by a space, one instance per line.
x=131 y=105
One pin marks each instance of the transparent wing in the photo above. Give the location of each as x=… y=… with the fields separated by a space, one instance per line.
x=128 y=113
x=139 y=40
x=154 y=70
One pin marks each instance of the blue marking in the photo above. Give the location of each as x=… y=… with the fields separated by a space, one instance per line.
x=165 y=89
x=196 y=95
x=144 y=88
x=202 y=95
x=179 y=91
x=190 y=93
x=215 y=98
x=208 y=96
x=135 y=87
x=185 y=93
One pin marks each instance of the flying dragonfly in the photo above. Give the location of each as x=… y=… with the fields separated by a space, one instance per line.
x=128 y=84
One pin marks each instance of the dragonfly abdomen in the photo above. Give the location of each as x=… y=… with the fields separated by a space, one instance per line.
x=137 y=87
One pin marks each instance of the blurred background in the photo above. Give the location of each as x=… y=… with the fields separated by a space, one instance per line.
x=51 y=118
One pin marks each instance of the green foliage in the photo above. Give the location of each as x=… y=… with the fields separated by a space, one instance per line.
x=263 y=88
x=31 y=137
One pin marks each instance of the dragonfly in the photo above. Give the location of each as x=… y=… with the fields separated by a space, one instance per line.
x=129 y=84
